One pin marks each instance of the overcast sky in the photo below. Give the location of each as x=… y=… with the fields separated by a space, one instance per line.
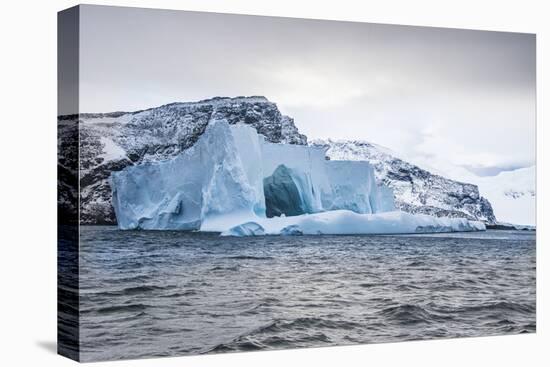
x=437 y=96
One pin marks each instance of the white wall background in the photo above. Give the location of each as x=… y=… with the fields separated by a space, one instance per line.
x=28 y=181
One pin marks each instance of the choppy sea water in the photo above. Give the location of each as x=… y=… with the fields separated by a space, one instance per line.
x=149 y=293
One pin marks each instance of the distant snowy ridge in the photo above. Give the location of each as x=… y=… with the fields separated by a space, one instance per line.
x=416 y=190
x=513 y=195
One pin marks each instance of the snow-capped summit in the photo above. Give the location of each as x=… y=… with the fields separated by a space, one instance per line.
x=416 y=190
x=181 y=119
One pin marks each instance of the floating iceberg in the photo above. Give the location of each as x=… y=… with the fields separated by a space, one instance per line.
x=233 y=181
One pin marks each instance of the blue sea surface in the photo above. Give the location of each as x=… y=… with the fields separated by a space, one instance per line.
x=163 y=293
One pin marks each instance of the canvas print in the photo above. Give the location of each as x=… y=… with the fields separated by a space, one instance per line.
x=237 y=183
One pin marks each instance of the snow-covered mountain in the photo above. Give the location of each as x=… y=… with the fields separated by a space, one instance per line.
x=416 y=190
x=110 y=142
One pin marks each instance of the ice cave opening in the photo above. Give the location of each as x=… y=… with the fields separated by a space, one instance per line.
x=284 y=193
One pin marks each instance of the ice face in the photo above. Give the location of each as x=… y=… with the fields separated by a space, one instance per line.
x=147 y=197
x=206 y=181
x=248 y=144
x=353 y=187
x=232 y=178
x=384 y=200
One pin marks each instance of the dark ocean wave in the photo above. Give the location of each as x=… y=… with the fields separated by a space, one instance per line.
x=411 y=314
x=249 y=257
x=501 y=308
x=226 y=268
x=268 y=335
x=141 y=289
x=187 y=293
x=137 y=307
x=305 y=323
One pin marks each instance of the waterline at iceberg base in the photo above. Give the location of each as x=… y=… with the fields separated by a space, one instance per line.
x=235 y=182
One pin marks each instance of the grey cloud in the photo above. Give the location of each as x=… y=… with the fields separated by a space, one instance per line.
x=384 y=83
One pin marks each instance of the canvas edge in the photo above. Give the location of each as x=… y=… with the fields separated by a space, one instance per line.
x=68 y=194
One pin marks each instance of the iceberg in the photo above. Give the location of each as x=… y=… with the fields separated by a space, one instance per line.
x=245 y=229
x=235 y=182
